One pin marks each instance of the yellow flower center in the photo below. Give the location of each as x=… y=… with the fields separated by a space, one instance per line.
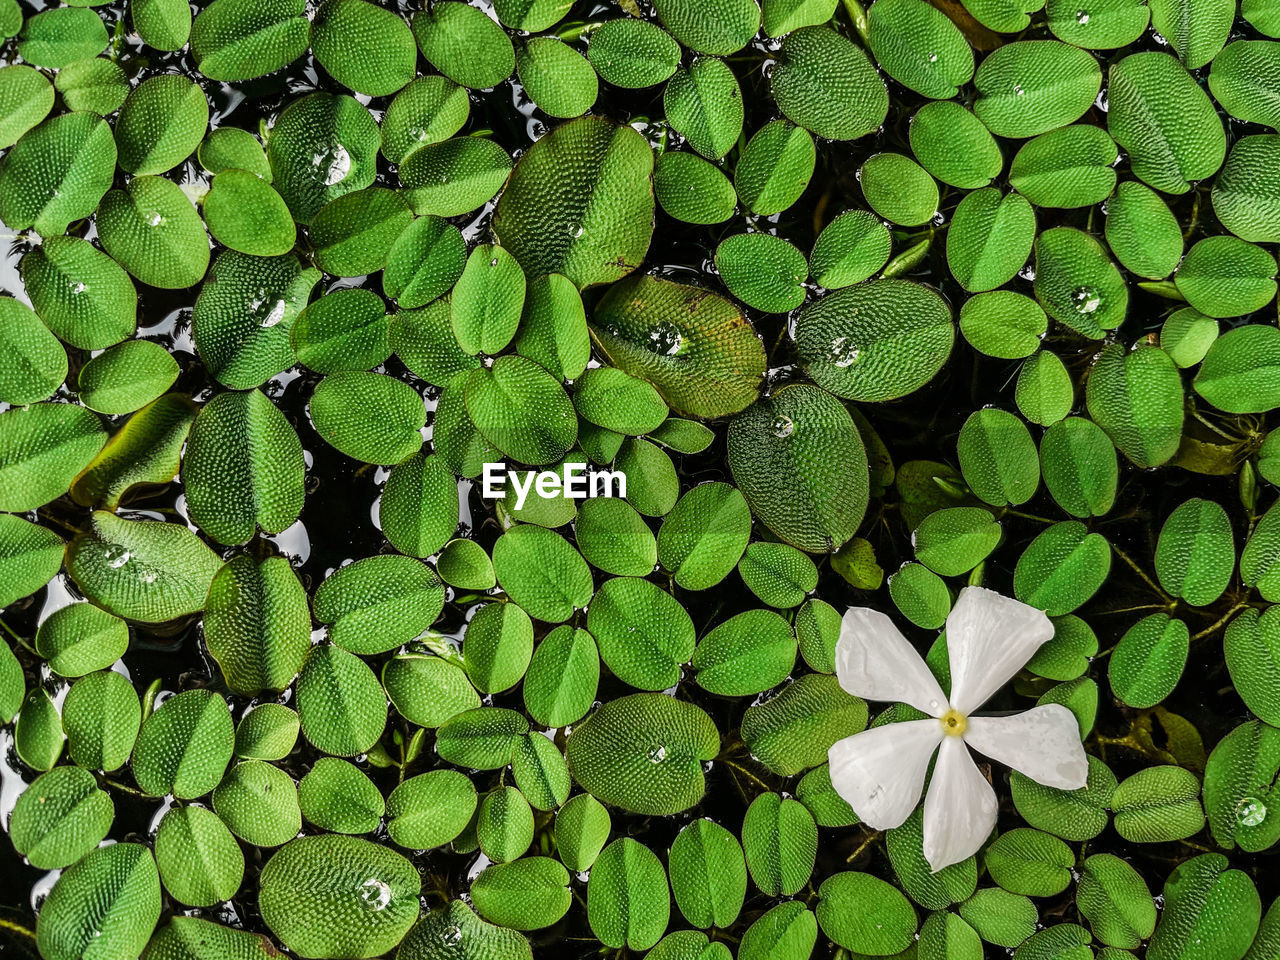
x=954 y=723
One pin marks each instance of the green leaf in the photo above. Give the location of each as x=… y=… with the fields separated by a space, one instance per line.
x=463 y=563
x=200 y=861
x=340 y=702
x=488 y=300
x=934 y=891
x=370 y=417
x=497 y=645
x=343 y=330
x=1251 y=647
x=26 y=98
x=1034 y=86
x=485 y=738
x=1075 y=815
x=183 y=938
x=1115 y=900
x=703 y=103
x=1238 y=779
x=323 y=146
x=825 y=84
x=1079 y=467
x=230 y=148
x=1062 y=568
x=243 y=212
x=184 y=747
x=775 y=167
x=256 y=624
x=865 y=914
x=920 y=594
x=643 y=753
x=336 y=796
x=1195 y=555
x=464 y=44
x=1077 y=283
x=161 y=123
x=375 y=604
x=747 y=654
x=1235 y=375
x=455 y=177
x=1067 y=167
x=522 y=410
x=353 y=234
x=59 y=272
x=1195 y=29
x=793 y=731
x=1149 y=659
x=628 y=901
x=37 y=731
x=557 y=78
x=1136 y=397
x=59 y=171
x=1164 y=121
x=1210 y=912
x=780 y=841
x=108 y=903
x=244 y=313
x=763 y=271
x=1157 y=805
x=79 y=639
x=526 y=894
x=153 y=231
x=580 y=202
x=787 y=931
x=126 y=377
x=143 y=570
x=424 y=340
x=363 y=46
x=504 y=825
x=419 y=507
x=429 y=110
x=424 y=262
x=259 y=803
x=695 y=347
x=101 y=716
x=1246 y=194
x=1002 y=323
x=1000 y=917
x=1067 y=654
x=1030 y=863
x=42 y=449
x=1142 y=232
x=875 y=341
x=316 y=893
x=644 y=634
x=540 y=571
x=954 y=145
x=1044 y=392
x=998 y=457
x=632 y=53
x=954 y=540
x=1187 y=335
x=703 y=536
x=430 y=809
x=553 y=327
x=898 y=189
x=60 y=817
x=851 y=248
x=162 y=24
x=920 y=47
x=581 y=828
x=723 y=29
x=456 y=927
x=708 y=874
x=59 y=36
x=95 y=85
x=779 y=574
x=1226 y=277
x=243 y=39
x=244 y=468
x=427 y=690
x=1243 y=80
x=32 y=362
x=268 y=731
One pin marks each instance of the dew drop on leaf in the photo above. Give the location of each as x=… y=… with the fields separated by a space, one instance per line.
x=375 y=894
x=1251 y=811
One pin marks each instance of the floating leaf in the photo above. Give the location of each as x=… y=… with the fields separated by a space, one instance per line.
x=363 y=46
x=775 y=166
x=628 y=901
x=323 y=146
x=243 y=212
x=60 y=817
x=793 y=731
x=243 y=39
x=59 y=171
x=369 y=416
x=703 y=102
x=108 y=903
x=1033 y=86
x=340 y=702
x=464 y=44
x=1136 y=397
x=343 y=330
x=200 y=861
x=184 y=747
x=522 y=410
x=153 y=231
x=824 y=83
x=161 y=123
x=256 y=624
x=126 y=377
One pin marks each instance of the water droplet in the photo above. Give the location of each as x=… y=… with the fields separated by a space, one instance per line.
x=332 y=164
x=116 y=556
x=844 y=352
x=77 y=289
x=1086 y=299
x=666 y=339
x=657 y=753
x=933 y=58
x=1082 y=17
x=577 y=231
x=1251 y=811
x=1018 y=91
x=493 y=262
x=782 y=426
x=155 y=219
x=452 y=935
x=375 y=894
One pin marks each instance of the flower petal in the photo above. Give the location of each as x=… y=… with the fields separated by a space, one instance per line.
x=1043 y=743
x=876 y=662
x=960 y=809
x=989 y=639
x=880 y=772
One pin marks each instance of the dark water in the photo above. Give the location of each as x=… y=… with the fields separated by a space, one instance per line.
x=338 y=522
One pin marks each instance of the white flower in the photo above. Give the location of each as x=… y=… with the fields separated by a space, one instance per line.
x=881 y=772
